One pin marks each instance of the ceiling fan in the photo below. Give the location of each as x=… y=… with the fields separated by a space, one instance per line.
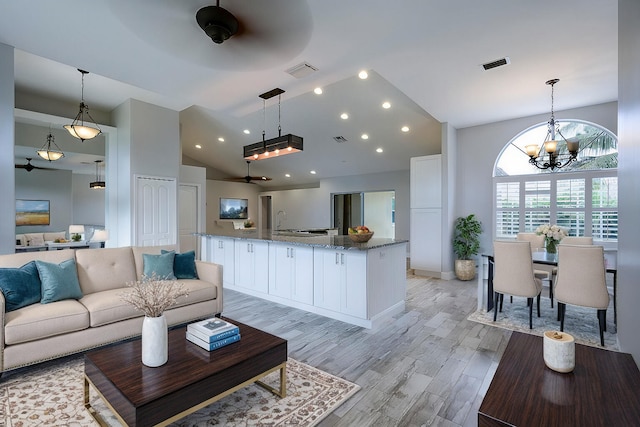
x=29 y=167
x=248 y=179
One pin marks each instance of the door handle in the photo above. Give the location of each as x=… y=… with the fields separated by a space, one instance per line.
x=342 y=259
x=337 y=258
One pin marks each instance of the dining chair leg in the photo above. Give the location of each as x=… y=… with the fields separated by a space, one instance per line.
x=496 y=298
x=561 y=309
x=530 y=304
x=538 y=305
x=551 y=291
x=602 y=321
x=501 y=301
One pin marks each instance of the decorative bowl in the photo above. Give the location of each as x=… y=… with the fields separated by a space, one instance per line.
x=360 y=238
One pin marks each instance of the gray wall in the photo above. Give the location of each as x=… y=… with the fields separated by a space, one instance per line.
x=479 y=147
x=629 y=176
x=88 y=205
x=7 y=176
x=52 y=185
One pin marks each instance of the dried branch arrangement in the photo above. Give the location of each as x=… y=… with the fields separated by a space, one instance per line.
x=152 y=295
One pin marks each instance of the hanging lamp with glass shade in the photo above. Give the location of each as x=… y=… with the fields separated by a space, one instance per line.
x=98 y=184
x=50 y=150
x=78 y=128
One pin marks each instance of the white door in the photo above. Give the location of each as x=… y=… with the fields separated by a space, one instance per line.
x=156 y=202
x=188 y=217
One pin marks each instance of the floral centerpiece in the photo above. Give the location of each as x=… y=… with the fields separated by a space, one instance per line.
x=553 y=234
x=153 y=295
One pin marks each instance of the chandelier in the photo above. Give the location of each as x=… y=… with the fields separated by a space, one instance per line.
x=77 y=128
x=50 y=150
x=556 y=155
x=99 y=183
x=278 y=146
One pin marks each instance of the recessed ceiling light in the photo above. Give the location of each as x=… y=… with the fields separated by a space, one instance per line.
x=404 y=128
x=246 y=131
x=221 y=139
x=379 y=150
x=318 y=91
x=287 y=175
x=344 y=116
x=364 y=136
x=363 y=74
x=198 y=146
x=386 y=105
x=312 y=172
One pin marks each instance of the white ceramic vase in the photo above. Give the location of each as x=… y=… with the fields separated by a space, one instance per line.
x=155 y=345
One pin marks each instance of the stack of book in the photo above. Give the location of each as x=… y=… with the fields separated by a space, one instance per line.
x=214 y=333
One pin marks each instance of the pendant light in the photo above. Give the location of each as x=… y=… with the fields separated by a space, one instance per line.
x=77 y=128
x=50 y=150
x=98 y=184
x=556 y=158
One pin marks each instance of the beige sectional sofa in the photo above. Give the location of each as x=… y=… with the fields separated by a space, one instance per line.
x=39 y=332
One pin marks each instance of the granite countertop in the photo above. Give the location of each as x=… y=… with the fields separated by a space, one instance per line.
x=340 y=242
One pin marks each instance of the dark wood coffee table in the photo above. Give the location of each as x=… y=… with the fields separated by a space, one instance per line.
x=603 y=389
x=192 y=378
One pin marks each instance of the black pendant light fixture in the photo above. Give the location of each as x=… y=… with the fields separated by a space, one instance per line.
x=50 y=150
x=78 y=128
x=98 y=184
x=557 y=157
x=274 y=147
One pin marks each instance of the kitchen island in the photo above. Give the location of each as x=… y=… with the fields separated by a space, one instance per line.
x=358 y=283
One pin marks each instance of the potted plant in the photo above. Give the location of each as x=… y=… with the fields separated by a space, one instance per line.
x=466 y=244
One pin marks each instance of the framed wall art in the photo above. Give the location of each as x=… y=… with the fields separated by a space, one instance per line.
x=33 y=212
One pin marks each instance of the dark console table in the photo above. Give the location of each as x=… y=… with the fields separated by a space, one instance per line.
x=603 y=389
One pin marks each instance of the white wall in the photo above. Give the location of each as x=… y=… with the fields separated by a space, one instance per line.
x=629 y=176
x=7 y=176
x=479 y=146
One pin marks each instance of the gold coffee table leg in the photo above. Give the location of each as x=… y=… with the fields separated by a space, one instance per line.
x=94 y=414
x=282 y=392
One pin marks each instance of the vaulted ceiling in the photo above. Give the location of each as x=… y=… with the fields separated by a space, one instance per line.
x=423 y=56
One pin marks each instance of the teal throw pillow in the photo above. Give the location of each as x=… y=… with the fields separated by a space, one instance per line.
x=59 y=281
x=184 y=265
x=160 y=265
x=20 y=286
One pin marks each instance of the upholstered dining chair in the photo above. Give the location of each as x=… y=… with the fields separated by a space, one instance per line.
x=541 y=272
x=581 y=281
x=513 y=275
x=569 y=240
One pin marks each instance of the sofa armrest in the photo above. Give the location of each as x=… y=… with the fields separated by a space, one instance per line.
x=2 y=307
x=212 y=273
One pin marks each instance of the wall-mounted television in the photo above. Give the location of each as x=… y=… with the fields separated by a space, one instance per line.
x=234 y=208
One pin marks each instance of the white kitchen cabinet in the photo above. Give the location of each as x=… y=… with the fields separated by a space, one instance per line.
x=291 y=272
x=252 y=265
x=426 y=182
x=340 y=281
x=222 y=251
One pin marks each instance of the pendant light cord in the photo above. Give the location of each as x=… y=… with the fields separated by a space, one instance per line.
x=279 y=128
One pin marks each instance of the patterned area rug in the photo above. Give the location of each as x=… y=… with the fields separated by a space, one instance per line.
x=580 y=322
x=51 y=394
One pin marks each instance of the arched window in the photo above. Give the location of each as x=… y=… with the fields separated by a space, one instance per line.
x=582 y=197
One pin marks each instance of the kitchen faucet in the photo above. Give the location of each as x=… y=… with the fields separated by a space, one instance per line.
x=278 y=219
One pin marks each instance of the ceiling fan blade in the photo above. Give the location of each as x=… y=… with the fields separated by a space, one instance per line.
x=248 y=178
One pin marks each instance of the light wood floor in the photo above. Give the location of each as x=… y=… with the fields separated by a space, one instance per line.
x=429 y=366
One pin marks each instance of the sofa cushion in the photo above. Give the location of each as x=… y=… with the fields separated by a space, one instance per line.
x=37 y=321
x=198 y=291
x=139 y=250
x=20 y=286
x=107 y=307
x=34 y=239
x=59 y=281
x=184 y=265
x=159 y=266
x=105 y=268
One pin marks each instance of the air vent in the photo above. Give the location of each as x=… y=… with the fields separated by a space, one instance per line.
x=497 y=63
x=339 y=139
x=301 y=70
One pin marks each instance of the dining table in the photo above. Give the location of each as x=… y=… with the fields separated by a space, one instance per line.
x=551 y=259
